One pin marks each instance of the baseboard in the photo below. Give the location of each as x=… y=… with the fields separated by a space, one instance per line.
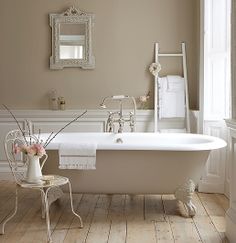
x=211 y=188
x=5 y=172
x=227 y=189
x=4 y=167
x=6 y=176
x=231 y=225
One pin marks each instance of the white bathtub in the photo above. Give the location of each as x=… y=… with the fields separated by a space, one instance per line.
x=143 y=163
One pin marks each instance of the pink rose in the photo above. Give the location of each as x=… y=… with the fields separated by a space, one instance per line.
x=34 y=149
x=16 y=149
x=24 y=149
x=143 y=98
x=37 y=149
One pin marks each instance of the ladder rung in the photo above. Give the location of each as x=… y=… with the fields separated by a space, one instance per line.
x=171 y=55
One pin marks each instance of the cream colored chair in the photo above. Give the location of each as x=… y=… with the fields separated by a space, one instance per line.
x=18 y=166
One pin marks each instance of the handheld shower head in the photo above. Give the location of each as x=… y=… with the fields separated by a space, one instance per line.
x=102 y=105
x=119 y=97
x=113 y=97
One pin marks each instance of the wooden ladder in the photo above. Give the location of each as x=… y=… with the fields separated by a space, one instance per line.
x=156 y=88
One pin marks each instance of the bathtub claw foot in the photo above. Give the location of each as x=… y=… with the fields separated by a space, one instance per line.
x=185 y=194
x=191 y=208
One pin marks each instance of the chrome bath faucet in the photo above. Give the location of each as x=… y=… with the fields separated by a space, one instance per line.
x=117 y=116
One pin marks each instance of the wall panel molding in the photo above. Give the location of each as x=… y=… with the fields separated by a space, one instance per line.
x=92 y=121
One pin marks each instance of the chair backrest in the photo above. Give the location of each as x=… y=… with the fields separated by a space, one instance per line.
x=17 y=162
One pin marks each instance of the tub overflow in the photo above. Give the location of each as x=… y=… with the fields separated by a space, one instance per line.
x=119 y=140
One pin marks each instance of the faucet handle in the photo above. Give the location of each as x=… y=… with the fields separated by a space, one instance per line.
x=131 y=116
x=110 y=114
x=132 y=121
x=121 y=125
x=110 y=121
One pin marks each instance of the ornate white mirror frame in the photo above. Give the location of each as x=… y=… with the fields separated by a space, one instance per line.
x=72 y=16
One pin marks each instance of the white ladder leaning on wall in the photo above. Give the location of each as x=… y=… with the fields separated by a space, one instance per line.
x=156 y=88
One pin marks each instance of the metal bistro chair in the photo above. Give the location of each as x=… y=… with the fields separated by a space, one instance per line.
x=18 y=165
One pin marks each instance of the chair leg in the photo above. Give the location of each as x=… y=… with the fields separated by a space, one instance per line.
x=45 y=197
x=13 y=214
x=72 y=207
x=43 y=206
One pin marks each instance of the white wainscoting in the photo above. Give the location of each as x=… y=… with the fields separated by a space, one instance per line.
x=92 y=121
x=52 y=121
x=6 y=125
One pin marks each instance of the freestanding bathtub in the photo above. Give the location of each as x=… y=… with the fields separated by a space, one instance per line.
x=139 y=163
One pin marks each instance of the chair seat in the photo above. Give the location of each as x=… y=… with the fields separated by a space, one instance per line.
x=46 y=181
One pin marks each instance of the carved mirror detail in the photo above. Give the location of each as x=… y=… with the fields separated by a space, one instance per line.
x=72 y=39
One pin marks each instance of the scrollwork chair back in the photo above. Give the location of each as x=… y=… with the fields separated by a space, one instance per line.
x=18 y=162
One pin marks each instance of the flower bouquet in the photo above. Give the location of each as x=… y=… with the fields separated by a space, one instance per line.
x=34 y=148
x=143 y=100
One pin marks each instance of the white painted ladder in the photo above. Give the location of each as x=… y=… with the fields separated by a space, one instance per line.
x=156 y=88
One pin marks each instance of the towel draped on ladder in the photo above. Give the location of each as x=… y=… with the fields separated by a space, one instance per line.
x=171 y=97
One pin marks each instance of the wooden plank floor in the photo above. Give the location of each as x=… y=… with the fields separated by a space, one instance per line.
x=114 y=218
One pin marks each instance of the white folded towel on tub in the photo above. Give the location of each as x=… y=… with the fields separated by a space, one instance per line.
x=80 y=156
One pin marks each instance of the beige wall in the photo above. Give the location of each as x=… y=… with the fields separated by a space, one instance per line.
x=125 y=32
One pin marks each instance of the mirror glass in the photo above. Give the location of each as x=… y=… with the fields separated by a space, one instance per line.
x=72 y=41
x=72 y=35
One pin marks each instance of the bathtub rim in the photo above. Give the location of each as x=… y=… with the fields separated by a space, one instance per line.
x=211 y=143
